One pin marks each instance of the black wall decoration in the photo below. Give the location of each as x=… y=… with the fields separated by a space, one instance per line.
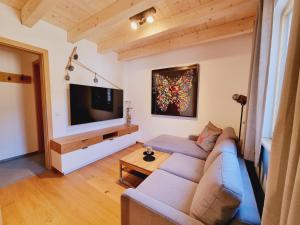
x=175 y=91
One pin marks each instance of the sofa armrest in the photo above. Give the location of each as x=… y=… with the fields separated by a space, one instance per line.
x=140 y=209
x=193 y=137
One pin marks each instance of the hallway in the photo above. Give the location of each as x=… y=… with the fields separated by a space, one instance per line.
x=20 y=168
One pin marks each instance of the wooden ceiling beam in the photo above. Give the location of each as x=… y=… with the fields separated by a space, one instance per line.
x=106 y=18
x=213 y=10
x=34 y=10
x=226 y=30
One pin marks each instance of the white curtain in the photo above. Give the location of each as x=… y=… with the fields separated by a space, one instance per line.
x=282 y=201
x=258 y=81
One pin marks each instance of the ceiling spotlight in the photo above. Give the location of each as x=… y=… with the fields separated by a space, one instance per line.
x=150 y=19
x=142 y=17
x=134 y=25
x=75 y=56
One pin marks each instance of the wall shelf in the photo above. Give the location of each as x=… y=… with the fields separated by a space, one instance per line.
x=84 y=140
x=14 y=78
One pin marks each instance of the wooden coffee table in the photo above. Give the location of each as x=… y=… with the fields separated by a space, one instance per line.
x=134 y=162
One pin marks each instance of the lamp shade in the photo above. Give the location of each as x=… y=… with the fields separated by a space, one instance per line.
x=242 y=99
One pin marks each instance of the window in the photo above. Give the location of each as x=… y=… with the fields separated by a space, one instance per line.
x=109 y=93
x=280 y=36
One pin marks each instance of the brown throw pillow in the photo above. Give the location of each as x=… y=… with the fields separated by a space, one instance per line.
x=208 y=137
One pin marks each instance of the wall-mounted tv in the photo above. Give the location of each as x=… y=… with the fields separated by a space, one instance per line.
x=91 y=104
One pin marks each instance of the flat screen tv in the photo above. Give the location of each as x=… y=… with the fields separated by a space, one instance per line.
x=91 y=104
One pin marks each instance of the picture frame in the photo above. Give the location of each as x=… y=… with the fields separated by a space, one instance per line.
x=175 y=91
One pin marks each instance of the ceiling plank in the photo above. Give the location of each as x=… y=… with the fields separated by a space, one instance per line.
x=207 y=12
x=114 y=13
x=34 y=10
x=226 y=30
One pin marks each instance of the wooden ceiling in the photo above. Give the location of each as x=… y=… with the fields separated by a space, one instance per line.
x=178 y=23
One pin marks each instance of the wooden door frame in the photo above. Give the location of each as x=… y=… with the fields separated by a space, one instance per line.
x=45 y=86
x=38 y=103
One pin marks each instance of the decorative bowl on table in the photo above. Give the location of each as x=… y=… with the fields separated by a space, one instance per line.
x=149 y=155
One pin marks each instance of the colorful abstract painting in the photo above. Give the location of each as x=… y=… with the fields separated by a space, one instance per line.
x=174 y=91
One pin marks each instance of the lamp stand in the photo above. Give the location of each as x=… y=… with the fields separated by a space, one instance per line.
x=241 y=120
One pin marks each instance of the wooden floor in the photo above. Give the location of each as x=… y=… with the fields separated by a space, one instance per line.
x=88 y=196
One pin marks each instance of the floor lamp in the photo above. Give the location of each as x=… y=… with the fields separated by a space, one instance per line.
x=242 y=99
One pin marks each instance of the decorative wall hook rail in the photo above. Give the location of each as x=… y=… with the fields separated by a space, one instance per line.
x=73 y=59
x=14 y=78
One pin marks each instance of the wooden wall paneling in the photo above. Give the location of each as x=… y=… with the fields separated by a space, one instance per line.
x=113 y=14
x=190 y=39
x=16 y=4
x=34 y=10
x=107 y=24
x=213 y=10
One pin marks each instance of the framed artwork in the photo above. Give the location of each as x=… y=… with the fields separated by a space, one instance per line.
x=175 y=91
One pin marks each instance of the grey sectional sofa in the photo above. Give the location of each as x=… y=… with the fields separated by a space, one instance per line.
x=193 y=187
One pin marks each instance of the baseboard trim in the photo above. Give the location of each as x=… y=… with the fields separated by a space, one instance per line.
x=19 y=156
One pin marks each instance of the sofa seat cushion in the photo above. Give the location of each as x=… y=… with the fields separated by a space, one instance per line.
x=172 y=144
x=169 y=189
x=184 y=166
x=219 y=192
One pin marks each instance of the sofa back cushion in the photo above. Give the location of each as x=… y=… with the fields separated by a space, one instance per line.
x=227 y=145
x=208 y=137
x=219 y=192
x=228 y=133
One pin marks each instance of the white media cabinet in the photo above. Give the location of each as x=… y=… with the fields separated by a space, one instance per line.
x=72 y=152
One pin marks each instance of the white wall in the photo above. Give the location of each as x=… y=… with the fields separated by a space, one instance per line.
x=18 y=133
x=224 y=71
x=54 y=39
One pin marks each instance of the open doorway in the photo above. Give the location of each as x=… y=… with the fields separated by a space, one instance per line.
x=26 y=111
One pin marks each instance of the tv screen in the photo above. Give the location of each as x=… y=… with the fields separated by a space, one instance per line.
x=91 y=104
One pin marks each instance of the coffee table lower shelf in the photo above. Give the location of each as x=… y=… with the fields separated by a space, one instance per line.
x=132 y=170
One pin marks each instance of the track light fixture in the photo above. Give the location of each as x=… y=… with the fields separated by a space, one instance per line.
x=73 y=60
x=73 y=56
x=142 y=17
x=67 y=76
x=95 y=79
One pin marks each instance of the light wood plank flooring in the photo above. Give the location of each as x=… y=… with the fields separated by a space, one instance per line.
x=88 y=196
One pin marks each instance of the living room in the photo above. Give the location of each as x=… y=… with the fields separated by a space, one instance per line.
x=186 y=85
